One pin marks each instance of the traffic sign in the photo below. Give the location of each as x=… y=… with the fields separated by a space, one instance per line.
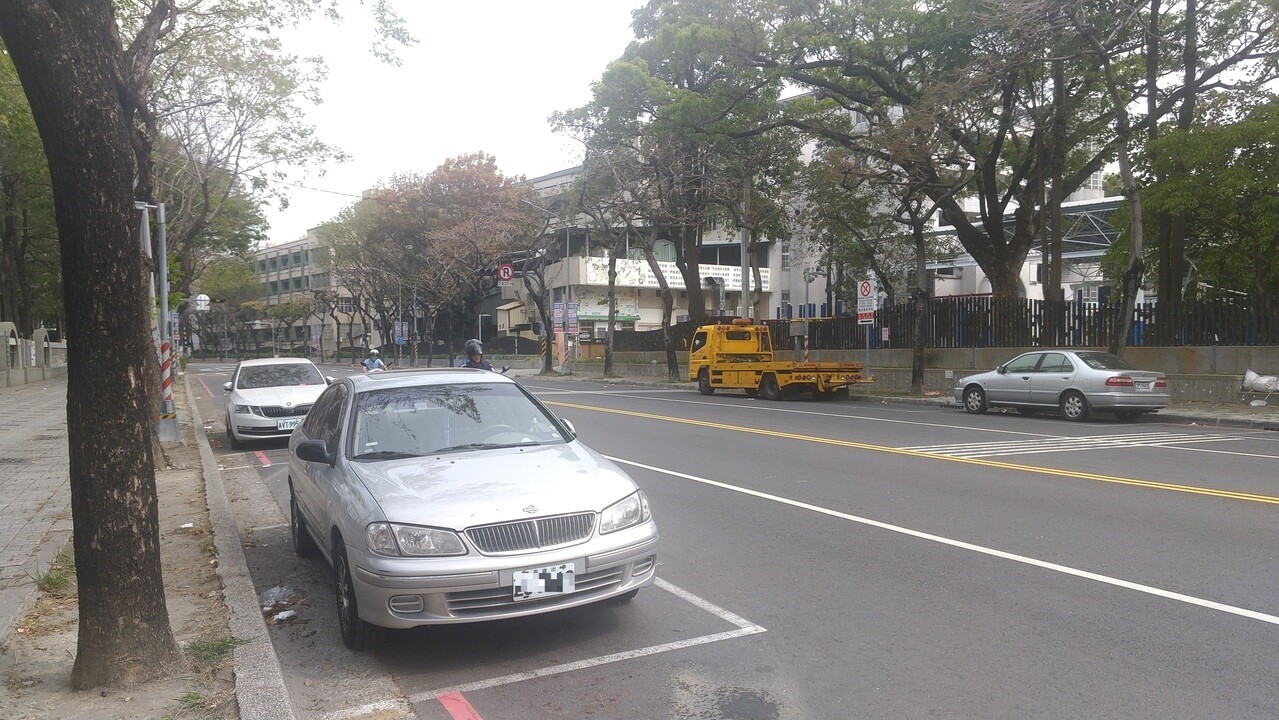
x=505 y=272
x=865 y=303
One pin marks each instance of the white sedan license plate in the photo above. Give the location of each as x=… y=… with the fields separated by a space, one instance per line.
x=288 y=424
x=554 y=580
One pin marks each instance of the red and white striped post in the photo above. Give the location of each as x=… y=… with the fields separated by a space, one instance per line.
x=166 y=382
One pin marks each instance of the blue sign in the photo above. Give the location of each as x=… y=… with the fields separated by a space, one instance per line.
x=399 y=340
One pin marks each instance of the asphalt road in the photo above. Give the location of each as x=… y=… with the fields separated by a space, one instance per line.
x=850 y=559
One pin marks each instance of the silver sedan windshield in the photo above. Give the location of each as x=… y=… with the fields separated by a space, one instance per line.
x=408 y=422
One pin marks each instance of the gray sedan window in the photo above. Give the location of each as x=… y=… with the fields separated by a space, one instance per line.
x=404 y=422
x=1025 y=363
x=1055 y=363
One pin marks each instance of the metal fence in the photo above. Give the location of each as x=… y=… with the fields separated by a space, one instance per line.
x=986 y=321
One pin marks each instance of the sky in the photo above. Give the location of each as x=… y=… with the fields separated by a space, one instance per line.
x=485 y=75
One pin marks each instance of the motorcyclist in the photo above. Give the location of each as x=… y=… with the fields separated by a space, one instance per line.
x=475 y=356
x=373 y=362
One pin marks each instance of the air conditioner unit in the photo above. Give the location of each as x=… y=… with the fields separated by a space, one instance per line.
x=682 y=318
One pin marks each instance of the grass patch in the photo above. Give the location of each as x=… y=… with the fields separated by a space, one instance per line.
x=58 y=579
x=208 y=652
x=209 y=547
x=194 y=705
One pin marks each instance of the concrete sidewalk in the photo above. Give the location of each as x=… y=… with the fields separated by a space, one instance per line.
x=35 y=494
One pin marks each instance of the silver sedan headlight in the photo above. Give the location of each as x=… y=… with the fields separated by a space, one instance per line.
x=631 y=510
x=412 y=540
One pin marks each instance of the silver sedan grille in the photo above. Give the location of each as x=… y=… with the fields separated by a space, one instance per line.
x=539 y=534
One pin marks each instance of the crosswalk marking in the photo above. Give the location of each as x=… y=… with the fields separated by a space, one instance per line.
x=1065 y=444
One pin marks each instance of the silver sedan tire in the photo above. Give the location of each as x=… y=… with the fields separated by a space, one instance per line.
x=1074 y=405
x=974 y=399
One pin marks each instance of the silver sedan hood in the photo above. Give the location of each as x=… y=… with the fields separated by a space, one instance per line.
x=463 y=489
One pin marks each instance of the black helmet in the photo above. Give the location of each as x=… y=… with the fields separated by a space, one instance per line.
x=474 y=347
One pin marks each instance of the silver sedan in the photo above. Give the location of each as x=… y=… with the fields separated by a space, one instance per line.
x=452 y=496
x=1078 y=382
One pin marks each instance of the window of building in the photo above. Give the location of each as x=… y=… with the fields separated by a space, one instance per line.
x=785 y=249
x=346 y=305
x=262 y=266
x=274 y=288
x=297 y=258
x=275 y=263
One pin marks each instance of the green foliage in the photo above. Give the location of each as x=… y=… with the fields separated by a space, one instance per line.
x=30 y=278
x=58 y=577
x=208 y=652
x=1225 y=176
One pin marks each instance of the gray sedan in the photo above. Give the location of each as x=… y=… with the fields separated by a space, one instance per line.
x=451 y=496
x=1079 y=382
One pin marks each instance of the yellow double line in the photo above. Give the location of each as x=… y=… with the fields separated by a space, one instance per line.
x=1191 y=489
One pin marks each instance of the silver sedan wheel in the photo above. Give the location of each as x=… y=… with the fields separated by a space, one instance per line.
x=1074 y=406
x=975 y=400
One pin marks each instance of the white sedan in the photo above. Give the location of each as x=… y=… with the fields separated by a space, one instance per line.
x=268 y=398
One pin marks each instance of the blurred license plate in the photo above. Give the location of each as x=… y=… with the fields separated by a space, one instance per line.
x=288 y=424
x=535 y=583
x=1145 y=386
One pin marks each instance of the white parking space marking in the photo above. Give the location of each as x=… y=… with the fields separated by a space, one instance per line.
x=1035 y=562
x=744 y=627
x=1057 y=445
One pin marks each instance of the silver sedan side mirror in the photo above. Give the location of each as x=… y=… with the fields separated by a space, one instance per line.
x=572 y=430
x=226 y=387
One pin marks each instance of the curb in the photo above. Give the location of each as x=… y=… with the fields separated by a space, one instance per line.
x=259 y=681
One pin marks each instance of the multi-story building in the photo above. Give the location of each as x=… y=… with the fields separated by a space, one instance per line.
x=294 y=270
x=578 y=276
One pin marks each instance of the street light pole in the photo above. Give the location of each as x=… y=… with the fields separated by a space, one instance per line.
x=809 y=276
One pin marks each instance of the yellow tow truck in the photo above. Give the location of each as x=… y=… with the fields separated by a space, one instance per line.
x=739 y=355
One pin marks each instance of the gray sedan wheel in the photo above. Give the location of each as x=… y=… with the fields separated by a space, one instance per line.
x=356 y=633
x=1074 y=405
x=974 y=399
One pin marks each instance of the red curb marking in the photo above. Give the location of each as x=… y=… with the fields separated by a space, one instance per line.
x=266 y=461
x=206 y=387
x=458 y=707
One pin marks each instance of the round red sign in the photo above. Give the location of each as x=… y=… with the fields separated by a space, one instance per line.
x=506 y=271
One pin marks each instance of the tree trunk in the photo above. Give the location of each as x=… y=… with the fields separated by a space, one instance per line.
x=690 y=268
x=920 y=296
x=612 y=308
x=68 y=62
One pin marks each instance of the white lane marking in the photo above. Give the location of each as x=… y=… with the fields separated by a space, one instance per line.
x=761 y=407
x=267 y=528
x=1242 y=436
x=1055 y=445
x=744 y=628
x=1065 y=570
x=238 y=467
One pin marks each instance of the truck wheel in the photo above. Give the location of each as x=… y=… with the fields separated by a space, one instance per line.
x=768 y=387
x=704 y=382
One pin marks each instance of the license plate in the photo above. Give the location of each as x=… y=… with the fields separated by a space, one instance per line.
x=554 y=580
x=288 y=424
x=1145 y=386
